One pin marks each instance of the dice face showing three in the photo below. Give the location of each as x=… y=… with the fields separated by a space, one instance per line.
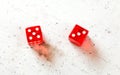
x=78 y=35
x=34 y=35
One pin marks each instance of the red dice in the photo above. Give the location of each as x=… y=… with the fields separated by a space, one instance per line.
x=78 y=35
x=34 y=35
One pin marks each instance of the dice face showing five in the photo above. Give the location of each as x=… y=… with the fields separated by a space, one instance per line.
x=78 y=35
x=34 y=35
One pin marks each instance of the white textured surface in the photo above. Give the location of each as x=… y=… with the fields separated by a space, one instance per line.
x=57 y=18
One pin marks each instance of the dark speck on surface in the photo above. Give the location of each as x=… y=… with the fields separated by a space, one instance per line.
x=19 y=63
x=27 y=47
x=1 y=63
x=108 y=73
x=90 y=52
x=92 y=26
x=95 y=35
x=43 y=64
x=12 y=59
x=59 y=42
x=8 y=36
x=93 y=44
x=56 y=22
x=8 y=46
x=108 y=31
x=14 y=72
x=46 y=5
x=14 y=35
x=56 y=70
x=20 y=28
x=65 y=28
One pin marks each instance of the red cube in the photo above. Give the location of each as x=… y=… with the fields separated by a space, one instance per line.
x=78 y=35
x=34 y=35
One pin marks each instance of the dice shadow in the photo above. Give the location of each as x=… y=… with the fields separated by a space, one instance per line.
x=90 y=50
x=46 y=51
x=43 y=50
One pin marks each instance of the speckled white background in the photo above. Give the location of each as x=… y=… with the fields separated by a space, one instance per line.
x=57 y=18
